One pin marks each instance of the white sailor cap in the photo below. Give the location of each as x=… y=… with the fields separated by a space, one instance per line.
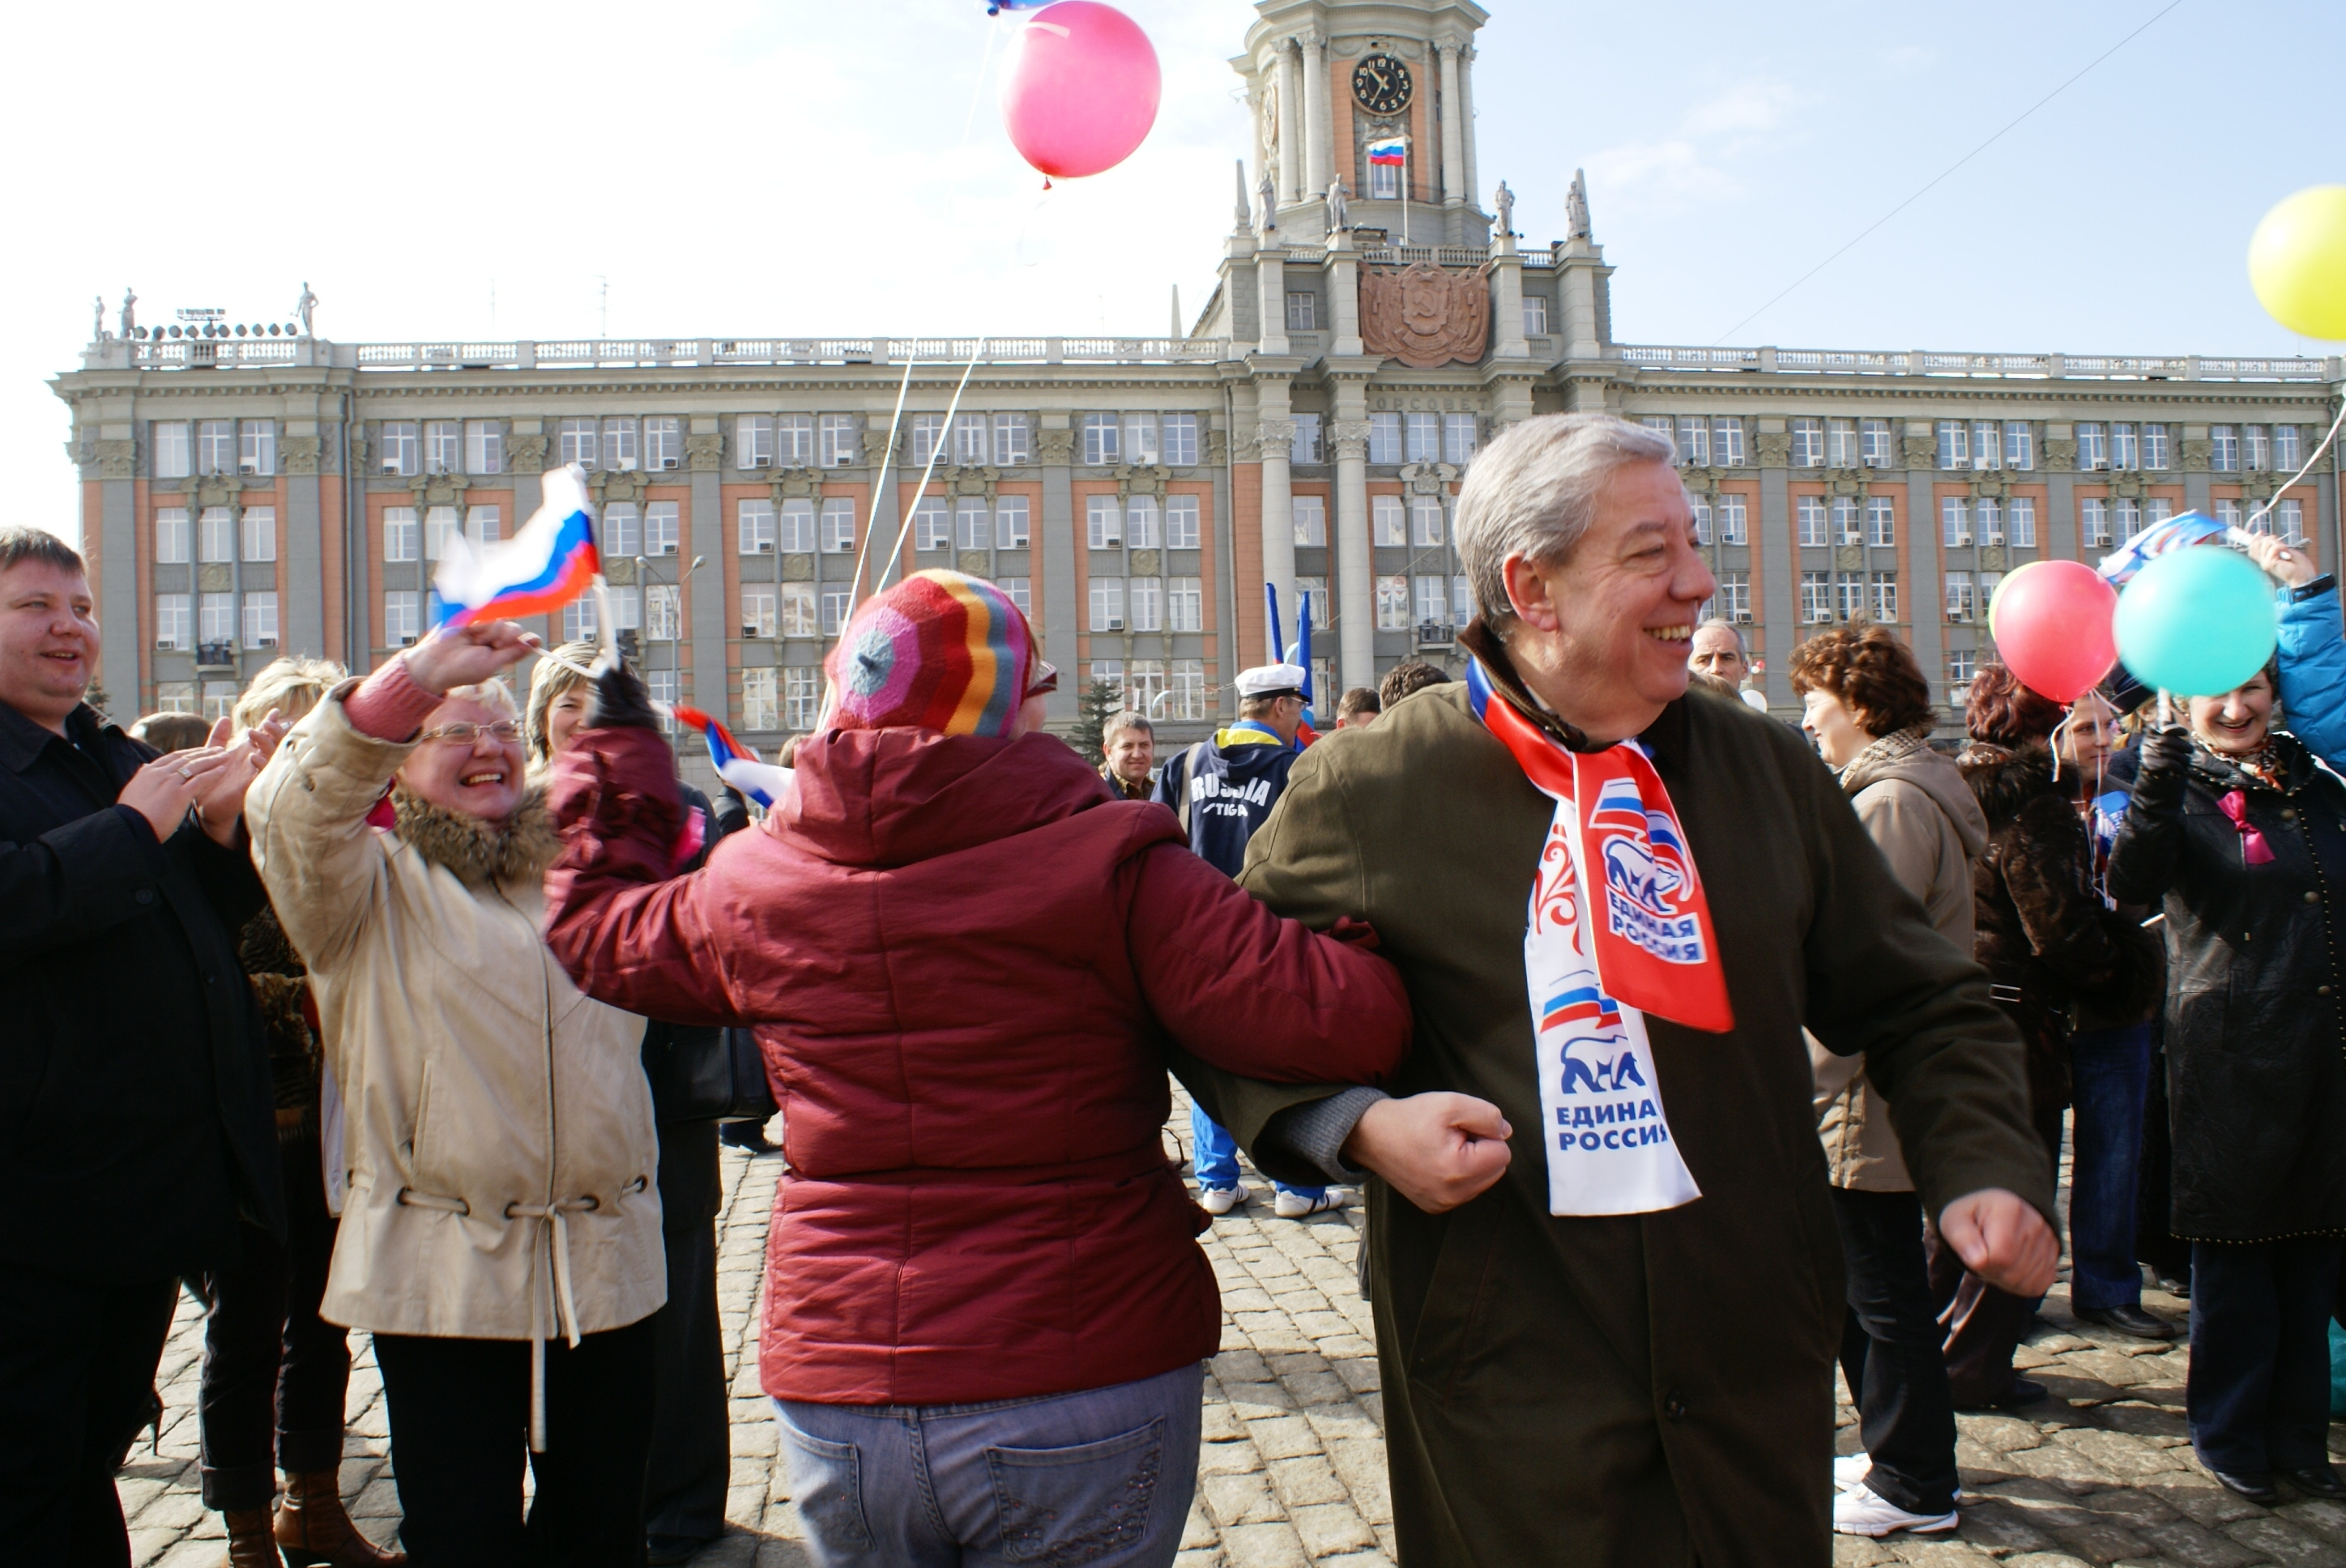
x=1272 y=680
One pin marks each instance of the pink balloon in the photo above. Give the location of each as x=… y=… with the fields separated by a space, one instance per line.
x=1080 y=90
x=2051 y=621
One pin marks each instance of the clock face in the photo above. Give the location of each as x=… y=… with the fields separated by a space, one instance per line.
x=1381 y=85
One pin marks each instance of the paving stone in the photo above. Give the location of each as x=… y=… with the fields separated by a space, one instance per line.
x=2276 y=1540
x=1326 y=1529
x=1263 y=1546
x=2192 y=1545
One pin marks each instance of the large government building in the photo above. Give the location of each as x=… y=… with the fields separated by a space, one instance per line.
x=250 y=490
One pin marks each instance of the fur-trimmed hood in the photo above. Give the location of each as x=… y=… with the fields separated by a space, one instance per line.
x=517 y=849
x=2004 y=779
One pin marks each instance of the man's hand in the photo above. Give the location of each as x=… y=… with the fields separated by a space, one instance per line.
x=164 y=789
x=221 y=804
x=462 y=656
x=2282 y=562
x=2002 y=1239
x=1437 y=1150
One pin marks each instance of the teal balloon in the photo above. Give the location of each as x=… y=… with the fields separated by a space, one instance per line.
x=2198 y=622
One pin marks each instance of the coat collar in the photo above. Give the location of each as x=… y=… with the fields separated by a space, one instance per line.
x=478 y=853
x=1662 y=737
x=22 y=741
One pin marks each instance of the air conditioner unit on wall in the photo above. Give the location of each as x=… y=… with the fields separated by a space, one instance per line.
x=1961 y=540
x=1743 y=617
x=668 y=462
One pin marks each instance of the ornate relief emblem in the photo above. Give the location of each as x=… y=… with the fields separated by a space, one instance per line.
x=1424 y=315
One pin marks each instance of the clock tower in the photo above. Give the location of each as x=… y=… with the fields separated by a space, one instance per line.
x=1328 y=80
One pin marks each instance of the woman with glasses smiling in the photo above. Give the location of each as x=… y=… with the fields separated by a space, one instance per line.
x=501 y=1234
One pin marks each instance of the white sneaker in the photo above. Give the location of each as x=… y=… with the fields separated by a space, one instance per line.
x=1220 y=1200
x=1295 y=1205
x=1849 y=1468
x=1858 y=1511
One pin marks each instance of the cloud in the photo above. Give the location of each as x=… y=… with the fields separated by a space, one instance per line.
x=1704 y=156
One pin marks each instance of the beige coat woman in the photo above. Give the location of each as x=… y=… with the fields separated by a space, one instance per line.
x=1923 y=819
x=499 y=1132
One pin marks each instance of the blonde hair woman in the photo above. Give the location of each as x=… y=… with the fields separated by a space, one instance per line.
x=501 y=1237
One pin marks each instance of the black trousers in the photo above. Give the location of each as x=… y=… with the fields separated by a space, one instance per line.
x=460 y=1433
x=271 y=1365
x=1984 y=1325
x=1891 y=1351
x=76 y=1360
x=2259 y=1390
x=691 y=1454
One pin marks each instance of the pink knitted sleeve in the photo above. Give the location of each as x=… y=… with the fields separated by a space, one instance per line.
x=389 y=704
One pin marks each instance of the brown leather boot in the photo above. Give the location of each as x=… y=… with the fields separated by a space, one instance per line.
x=313 y=1529
x=250 y=1545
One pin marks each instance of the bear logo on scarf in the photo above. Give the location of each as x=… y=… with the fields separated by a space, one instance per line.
x=1649 y=885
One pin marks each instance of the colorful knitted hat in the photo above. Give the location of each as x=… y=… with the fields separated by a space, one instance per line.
x=940 y=650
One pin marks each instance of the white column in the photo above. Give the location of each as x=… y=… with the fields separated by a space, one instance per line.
x=1356 y=606
x=1344 y=294
x=1318 y=138
x=1466 y=120
x=1291 y=125
x=1275 y=435
x=1270 y=277
x=1454 y=156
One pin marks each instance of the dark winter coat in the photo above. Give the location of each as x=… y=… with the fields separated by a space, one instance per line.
x=289 y=1020
x=965 y=963
x=135 y=1114
x=2047 y=941
x=2256 y=1061
x=1222 y=790
x=1622 y=1391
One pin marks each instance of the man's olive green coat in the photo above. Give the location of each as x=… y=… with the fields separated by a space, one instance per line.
x=1656 y=1388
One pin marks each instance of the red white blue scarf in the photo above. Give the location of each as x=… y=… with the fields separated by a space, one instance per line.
x=1650 y=949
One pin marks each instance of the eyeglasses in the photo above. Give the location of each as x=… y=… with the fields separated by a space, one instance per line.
x=505 y=730
x=1046 y=678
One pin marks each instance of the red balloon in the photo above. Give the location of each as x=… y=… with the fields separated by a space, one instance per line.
x=2052 y=625
x=1080 y=90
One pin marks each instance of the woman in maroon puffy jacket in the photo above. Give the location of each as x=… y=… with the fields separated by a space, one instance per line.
x=984 y=1307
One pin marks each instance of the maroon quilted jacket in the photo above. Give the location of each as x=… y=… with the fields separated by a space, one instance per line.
x=962 y=958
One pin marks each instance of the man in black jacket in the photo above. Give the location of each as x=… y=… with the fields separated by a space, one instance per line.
x=136 y=1117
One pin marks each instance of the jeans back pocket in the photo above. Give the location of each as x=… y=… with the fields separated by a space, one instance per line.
x=827 y=1484
x=1063 y=1507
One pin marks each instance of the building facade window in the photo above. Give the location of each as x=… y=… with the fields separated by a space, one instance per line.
x=754 y=440
x=2094 y=522
x=1303 y=310
x=444 y=446
x=1808 y=443
x=574 y=441
x=1955 y=522
x=260 y=533
x=1881 y=522
x=1388 y=521
x=2256 y=448
x=1987 y=450
x=174 y=621
x=216 y=446
x=1180 y=433
x=1010 y=446
x=2022 y=522
x=663 y=444
x=839 y=443
x=1311 y=520
x=794 y=440
x=1734 y=597
x=215 y=617
x=1313 y=591
x=1733 y=521
x=620 y=453
x=1963 y=664
x=1727 y=442
x=402 y=453
x=1989 y=516
x=799 y=613
x=171 y=536
x=1103 y=439
x=1432 y=602
x=1103 y=523
x=1874 y=441
x=2126 y=447
x=1011 y=522
x=172 y=449
x=1142 y=530
x=1146 y=599
x=2285 y=447
x=663 y=612
x=1107 y=604
x=801 y=697
x=1811 y=515
x=1392 y=604
x=1384 y=438
x=1460 y=439
x=1535 y=315
x=402 y=618
x=2019 y=445
x=216 y=534
x=1959 y=596
x=1184 y=689
x=1305 y=446
x=1816 y=597
x=798 y=530
x=927 y=435
x=1846 y=529
x=1699 y=506
x=1840 y=442
x=972 y=440
x=932 y=524
x=1425 y=524
x=1885 y=597
x=1181 y=522
x=439 y=523
x=663 y=523
x=2224 y=448
x=1954 y=445
x=760 y=612
x=839 y=526
x=485 y=446
x=1693 y=441
x=760 y=704
x=623 y=529
x=973 y=522
x=260 y=619
x=1185 y=604
x=401 y=541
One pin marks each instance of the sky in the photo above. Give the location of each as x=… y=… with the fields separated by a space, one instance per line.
x=791 y=168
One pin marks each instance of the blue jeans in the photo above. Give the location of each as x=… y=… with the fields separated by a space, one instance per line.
x=2111 y=1071
x=1217 y=1157
x=2259 y=1390
x=1104 y=1477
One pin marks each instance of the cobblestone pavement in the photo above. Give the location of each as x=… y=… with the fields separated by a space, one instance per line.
x=1293 y=1470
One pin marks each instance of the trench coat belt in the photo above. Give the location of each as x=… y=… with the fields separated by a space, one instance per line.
x=554 y=1226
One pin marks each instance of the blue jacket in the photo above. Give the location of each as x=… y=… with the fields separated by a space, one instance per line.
x=1223 y=790
x=2313 y=668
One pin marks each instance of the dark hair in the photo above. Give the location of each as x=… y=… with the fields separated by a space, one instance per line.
x=171 y=731
x=1358 y=700
x=19 y=545
x=1410 y=675
x=1871 y=673
x=2003 y=712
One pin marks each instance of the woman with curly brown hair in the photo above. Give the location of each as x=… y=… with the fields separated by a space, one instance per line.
x=1868 y=709
x=2054 y=948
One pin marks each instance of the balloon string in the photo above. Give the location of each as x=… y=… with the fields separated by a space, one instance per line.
x=978 y=91
x=887 y=456
x=936 y=451
x=2279 y=491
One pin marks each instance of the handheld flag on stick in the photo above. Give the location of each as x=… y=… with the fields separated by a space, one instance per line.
x=1298 y=652
x=552 y=561
x=737 y=764
x=2177 y=533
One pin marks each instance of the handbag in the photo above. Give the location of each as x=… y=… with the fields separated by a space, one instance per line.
x=704 y=1074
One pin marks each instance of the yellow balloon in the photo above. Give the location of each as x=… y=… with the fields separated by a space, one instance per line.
x=2297 y=262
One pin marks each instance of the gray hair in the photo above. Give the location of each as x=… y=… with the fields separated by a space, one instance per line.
x=1729 y=628
x=1532 y=493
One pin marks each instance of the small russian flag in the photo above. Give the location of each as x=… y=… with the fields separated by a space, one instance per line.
x=1392 y=149
x=552 y=561
x=737 y=764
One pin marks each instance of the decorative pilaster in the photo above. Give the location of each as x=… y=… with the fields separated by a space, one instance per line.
x=1319 y=133
x=1453 y=152
x=1356 y=622
x=1466 y=122
x=1290 y=128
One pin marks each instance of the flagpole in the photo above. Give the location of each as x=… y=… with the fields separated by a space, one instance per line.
x=1404 y=190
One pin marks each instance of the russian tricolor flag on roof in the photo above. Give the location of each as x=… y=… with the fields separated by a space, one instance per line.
x=549 y=563
x=1392 y=149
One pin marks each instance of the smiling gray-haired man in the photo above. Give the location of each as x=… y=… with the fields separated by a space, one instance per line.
x=1610 y=1338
